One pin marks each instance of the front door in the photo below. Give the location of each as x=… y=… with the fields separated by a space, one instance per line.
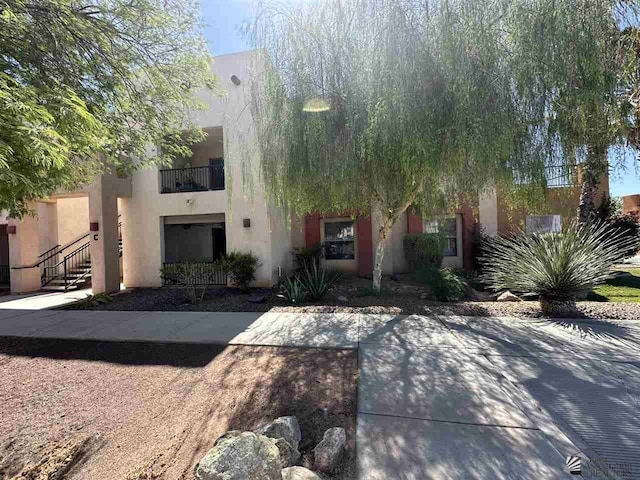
x=219 y=241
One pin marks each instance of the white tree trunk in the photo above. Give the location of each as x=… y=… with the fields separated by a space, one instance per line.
x=383 y=234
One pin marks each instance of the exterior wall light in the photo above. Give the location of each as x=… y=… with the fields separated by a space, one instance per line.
x=11 y=229
x=235 y=80
x=315 y=105
x=246 y=222
x=94 y=227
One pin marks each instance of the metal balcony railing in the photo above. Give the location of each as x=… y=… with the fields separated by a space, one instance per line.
x=194 y=179
x=193 y=273
x=555 y=175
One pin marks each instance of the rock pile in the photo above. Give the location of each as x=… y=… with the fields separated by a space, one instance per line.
x=271 y=454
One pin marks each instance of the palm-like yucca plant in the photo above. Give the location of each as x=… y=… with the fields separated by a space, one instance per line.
x=317 y=281
x=558 y=267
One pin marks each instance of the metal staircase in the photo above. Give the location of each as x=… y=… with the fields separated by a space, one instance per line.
x=64 y=268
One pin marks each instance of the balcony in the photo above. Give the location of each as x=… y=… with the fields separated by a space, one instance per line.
x=193 y=179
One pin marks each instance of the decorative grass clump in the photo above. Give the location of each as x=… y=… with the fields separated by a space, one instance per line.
x=557 y=267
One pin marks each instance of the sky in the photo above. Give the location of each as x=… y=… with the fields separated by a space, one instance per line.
x=223 y=19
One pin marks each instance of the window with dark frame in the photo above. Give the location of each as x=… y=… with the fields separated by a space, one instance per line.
x=339 y=240
x=447 y=226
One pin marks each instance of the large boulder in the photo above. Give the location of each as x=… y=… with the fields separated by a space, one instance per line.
x=241 y=456
x=288 y=455
x=286 y=428
x=508 y=297
x=299 y=473
x=329 y=451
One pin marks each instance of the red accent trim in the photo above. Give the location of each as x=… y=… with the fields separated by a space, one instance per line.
x=414 y=223
x=364 y=240
x=311 y=229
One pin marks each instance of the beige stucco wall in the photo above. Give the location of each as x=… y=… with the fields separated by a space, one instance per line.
x=143 y=214
x=47 y=225
x=488 y=211
x=73 y=218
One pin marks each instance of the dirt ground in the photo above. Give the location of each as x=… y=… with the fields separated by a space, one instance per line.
x=400 y=297
x=134 y=411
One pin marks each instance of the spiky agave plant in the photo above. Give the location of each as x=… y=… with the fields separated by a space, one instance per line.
x=558 y=267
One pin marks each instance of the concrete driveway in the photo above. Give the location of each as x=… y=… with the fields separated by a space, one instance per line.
x=439 y=397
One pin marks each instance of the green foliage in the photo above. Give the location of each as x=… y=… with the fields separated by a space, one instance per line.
x=445 y=284
x=86 y=86
x=292 y=290
x=610 y=212
x=240 y=267
x=424 y=249
x=306 y=256
x=558 y=266
x=91 y=301
x=317 y=281
x=426 y=100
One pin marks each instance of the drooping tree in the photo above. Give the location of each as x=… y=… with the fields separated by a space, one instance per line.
x=378 y=105
x=84 y=84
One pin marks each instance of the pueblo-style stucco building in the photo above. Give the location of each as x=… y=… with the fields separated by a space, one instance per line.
x=125 y=230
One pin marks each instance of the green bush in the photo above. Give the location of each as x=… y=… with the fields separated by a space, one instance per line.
x=240 y=267
x=293 y=290
x=424 y=249
x=610 y=212
x=317 y=281
x=557 y=267
x=445 y=284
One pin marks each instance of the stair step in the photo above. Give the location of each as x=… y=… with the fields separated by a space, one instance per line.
x=54 y=288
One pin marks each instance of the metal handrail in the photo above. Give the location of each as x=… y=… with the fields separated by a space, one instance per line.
x=58 y=252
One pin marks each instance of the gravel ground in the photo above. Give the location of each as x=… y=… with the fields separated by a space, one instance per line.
x=134 y=411
x=596 y=310
x=401 y=297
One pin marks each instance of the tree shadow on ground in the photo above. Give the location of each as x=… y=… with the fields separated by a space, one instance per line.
x=125 y=353
x=567 y=369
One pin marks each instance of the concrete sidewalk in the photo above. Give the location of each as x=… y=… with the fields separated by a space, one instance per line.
x=438 y=397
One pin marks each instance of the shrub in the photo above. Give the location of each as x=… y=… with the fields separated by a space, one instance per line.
x=90 y=301
x=557 y=267
x=293 y=290
x=424 y=249
x=629 y=228
x=445 y=284
x=610 y=212
x=306 y=256
x=184 y=274
x=239 y=267
x=317 y=281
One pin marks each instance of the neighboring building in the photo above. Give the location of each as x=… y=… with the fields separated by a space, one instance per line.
x=631 y=205
x=127 y=230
